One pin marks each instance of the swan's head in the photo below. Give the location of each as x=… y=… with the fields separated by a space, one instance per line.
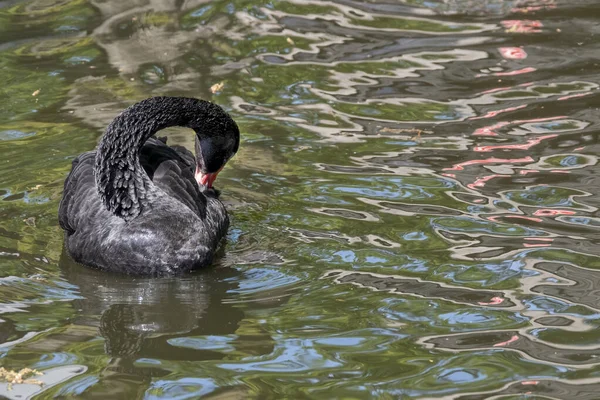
x=215 y=147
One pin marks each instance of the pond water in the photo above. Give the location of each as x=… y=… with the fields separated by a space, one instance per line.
x=413 y=205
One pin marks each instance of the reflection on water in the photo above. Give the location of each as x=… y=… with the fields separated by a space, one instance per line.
x=413 y=207
x=145 y=324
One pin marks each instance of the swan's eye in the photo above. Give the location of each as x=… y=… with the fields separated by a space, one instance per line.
x=213 y=153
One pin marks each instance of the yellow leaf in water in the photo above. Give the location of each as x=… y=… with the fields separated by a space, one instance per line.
x=217 y=87
x=30 y=222
x=19 y=377
x=36 y=92
x=290 y=41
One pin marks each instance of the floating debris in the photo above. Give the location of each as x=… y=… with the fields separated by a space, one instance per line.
x=418 y=132
x=404 y=130
x=290 y=41
x=217 y=87
x=30 y=222
x=23 y=376
x=36 y=92
x=301 y=148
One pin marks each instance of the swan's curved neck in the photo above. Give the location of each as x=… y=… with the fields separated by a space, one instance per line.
x=125 y=188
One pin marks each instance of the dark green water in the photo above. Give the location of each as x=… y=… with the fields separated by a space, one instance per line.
x=363 y=261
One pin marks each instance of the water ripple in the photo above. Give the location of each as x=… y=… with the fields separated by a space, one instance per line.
x=414 y=206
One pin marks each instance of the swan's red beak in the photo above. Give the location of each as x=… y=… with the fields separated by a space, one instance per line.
x=206 y=179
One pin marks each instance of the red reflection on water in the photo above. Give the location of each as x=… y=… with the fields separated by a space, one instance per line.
x=540 y=239
x=529 y=245
x=522 y=25
x=560 y=171
x=491 y=114
x=490 y=130
x=484 y=132
x=493 y=301
x=525 y=146
x=480 y=182
x=511 y=340
x=491 y=160
x=512 y=53
x=449 y=175
x=546 y=212
x=500 y=89
x=528 y=171
x=530 y=382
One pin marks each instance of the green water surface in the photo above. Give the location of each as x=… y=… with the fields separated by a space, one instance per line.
x=413 y=212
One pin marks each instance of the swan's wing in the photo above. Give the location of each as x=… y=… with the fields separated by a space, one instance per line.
x=172 y=170
x=79 y=182
x=156 y=151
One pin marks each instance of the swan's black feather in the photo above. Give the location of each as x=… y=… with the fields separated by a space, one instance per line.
x=158 y=220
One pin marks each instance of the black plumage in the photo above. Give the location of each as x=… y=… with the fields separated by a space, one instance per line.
x=133 y=205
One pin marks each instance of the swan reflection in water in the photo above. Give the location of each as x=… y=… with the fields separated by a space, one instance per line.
x=139 y=318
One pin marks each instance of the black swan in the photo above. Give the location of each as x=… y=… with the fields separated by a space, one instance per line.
x=138 y=206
